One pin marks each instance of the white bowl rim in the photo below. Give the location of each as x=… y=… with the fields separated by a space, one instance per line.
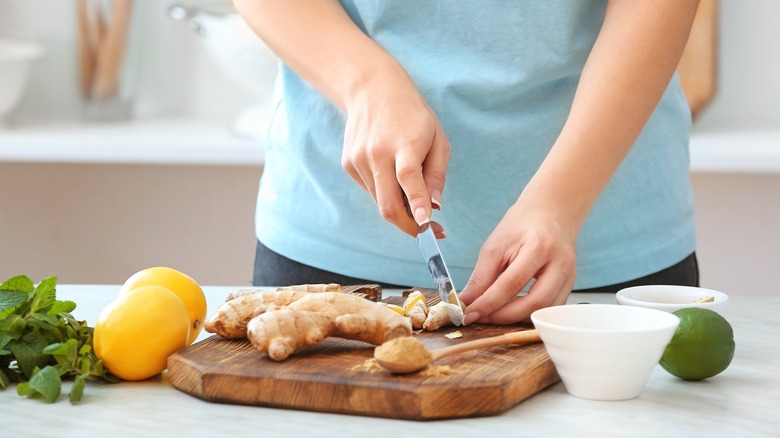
x=667 y=319
x=627 y=295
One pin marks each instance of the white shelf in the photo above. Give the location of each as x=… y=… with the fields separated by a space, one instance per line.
x=184 y=141
x=748 y=151
x=190 y=141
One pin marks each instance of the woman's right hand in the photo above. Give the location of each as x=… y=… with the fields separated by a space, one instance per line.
x=393 y=143
x=394 y=147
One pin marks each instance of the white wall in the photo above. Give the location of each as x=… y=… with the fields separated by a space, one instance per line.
x=749 y=68
x=98 y=223
x=738 y=215
x=166 y=59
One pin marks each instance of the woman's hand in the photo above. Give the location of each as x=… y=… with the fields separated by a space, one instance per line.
x=393 y=143
x=627 y=72
x=526 y=245
x=394 y=147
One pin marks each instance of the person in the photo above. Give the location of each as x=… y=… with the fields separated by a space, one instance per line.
x=559 y=127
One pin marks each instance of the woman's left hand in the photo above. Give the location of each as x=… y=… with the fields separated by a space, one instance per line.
x=526 y=245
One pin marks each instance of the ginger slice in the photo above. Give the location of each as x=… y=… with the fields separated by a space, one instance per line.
x=416 y=308
x=438 y=317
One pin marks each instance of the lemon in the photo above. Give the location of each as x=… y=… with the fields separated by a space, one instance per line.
x=702 y=346
x=188 y=290
x=135 y=333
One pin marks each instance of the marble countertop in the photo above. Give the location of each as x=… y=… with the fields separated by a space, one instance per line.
x=742 y=401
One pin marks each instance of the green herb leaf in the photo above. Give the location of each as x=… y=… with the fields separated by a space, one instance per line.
x=11 y=328
x=51 y=332
x=9 y=301
x=4 y=380
x=41 y=342
x=47 y=383
x=45 y=294
x=77 y=390
x=20 y=283
x=68 y=350
x=23 y=388
x=29 y=352
x=62 y=307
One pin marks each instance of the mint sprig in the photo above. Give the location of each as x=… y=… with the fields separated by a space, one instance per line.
x=41 y=343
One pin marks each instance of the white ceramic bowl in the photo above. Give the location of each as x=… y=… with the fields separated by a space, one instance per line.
x=671 y=298
x=16 y=57
x=604 y=351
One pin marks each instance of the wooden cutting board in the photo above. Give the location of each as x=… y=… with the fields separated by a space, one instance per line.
x=330 y=377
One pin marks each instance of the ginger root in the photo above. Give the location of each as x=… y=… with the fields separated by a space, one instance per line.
x=438 y=317
x=231 y=317
x=329 y=287
x=416 y=308
x=307 y=321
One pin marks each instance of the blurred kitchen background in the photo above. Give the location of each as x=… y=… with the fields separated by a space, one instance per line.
x=93 y=190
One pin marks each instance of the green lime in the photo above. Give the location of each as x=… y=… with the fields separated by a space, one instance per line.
x=702 y=346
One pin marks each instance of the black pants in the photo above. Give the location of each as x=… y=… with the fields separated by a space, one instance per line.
x=272 y=269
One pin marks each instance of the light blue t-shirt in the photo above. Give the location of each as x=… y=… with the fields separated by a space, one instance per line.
x=501 y=77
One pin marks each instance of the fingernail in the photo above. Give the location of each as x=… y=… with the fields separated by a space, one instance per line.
x=436 y=203
x=470 y=317
x=421 y=216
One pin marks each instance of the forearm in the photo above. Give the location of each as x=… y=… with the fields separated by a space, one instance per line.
x=319 y=41
x=627 y=72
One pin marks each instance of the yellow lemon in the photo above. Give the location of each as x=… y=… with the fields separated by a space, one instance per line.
x=188 y=290
x=135 y=333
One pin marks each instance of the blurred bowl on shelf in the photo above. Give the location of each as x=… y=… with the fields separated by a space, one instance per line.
x=242 y=56
x=16 y=58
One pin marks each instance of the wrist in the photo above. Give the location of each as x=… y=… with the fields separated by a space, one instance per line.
x=373 y=79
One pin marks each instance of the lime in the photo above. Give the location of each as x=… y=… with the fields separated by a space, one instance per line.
x=702 y=346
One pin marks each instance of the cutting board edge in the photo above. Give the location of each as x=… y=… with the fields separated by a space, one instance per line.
x=411 y=400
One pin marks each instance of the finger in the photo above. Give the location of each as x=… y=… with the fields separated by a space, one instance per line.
x=551 y=288
x=391 y=204
x=438 y=230
x=435 y=167
x=365 y=181
x=506 y=286
x=487 y=269
x=520 y=308
x=410 y=176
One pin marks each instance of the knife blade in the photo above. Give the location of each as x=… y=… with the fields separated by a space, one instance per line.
x=426 y=240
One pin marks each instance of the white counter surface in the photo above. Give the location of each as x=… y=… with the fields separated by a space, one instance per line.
x=743 y=401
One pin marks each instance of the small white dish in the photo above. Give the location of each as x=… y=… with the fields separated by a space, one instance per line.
x=604 y=351
x=671 y=298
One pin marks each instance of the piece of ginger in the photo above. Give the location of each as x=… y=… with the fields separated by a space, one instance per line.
x=319 y=287
x=307 y=321
x=416 y=308
x=438 y=317
x=231 y=317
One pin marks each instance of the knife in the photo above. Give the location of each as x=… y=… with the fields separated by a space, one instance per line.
x=441 y=276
